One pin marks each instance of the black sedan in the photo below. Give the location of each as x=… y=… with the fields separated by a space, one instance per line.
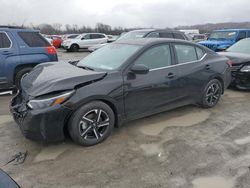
x=239 y=53
x=122 y=81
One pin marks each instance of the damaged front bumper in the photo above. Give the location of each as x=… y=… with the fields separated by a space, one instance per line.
x=241 y=80
x=44 y=125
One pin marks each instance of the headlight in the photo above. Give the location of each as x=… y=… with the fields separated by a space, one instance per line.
x=245 y=68
x=51 y=101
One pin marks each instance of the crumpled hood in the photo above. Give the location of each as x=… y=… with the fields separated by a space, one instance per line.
x=56 y=76
x=237 y=58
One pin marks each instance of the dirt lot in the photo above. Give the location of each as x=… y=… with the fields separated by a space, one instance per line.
x=188 y=147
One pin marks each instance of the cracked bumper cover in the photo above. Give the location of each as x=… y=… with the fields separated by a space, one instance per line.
x=241 y=80
x=43 y=125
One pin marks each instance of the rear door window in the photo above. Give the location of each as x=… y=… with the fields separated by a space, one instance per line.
x=4 y=41
x=97 y=36
x=178 y=36
x=153 y=35
x=185 y=53
x=166 y=35
x=200 y=53
x=86 y=37
x=33 y=39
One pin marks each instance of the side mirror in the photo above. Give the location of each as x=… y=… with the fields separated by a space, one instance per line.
x=139 y=69
x=82 y=38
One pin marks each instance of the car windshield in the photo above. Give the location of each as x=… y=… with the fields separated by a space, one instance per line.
x=72 y=36
x=243 y=46
x=222 y=35
x=133 y=35
x=79 y=37
x=109 y=57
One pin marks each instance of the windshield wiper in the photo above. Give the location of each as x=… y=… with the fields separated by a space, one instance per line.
x=73 y=62
x=85 y=67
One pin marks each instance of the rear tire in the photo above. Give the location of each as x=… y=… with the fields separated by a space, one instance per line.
x=19 y=76
x=91 y=124
x=74 y=48
x=211 y=94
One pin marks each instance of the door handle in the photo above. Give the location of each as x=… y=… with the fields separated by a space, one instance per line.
x=171 y=75
x=208 y=67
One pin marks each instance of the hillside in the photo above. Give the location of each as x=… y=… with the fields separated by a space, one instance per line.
x=212 y=26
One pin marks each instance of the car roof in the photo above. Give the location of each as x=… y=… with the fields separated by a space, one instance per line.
x=16 y=28
x=233 y=30
x=156 y=30
x=150 y=41
x=93 y=33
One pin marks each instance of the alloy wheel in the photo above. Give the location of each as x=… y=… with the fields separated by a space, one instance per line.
x=94 y=124
x=213 y=94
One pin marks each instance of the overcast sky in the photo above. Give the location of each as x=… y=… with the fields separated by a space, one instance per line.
x=125 y=13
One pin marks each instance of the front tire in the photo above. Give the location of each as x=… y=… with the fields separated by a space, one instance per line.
x=74 y=48
x=91 y=124
x=211 y=94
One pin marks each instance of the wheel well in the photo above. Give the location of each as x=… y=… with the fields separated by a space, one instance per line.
x=110 y=104
x=75 y=44
x=222 y=83
x=20 y=67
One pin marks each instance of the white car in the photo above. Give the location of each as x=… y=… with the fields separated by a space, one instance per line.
x=84 y=41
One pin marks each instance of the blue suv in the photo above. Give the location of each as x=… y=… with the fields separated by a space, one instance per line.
x=220 y=40
x=20 y=50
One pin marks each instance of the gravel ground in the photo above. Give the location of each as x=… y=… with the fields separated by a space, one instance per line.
x=188 y=147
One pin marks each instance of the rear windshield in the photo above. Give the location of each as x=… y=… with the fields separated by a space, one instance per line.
x=133 y=35
x=33 y=39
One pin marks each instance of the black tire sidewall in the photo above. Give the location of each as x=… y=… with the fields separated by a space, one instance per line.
x=74 y=48
x=203 y=100
x=73 y=125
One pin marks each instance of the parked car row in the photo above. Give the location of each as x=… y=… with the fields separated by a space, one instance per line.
x=137 y=34
x=220 y=40
x=59 y=41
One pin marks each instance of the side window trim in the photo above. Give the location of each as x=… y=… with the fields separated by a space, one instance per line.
x=196 y=61
x=197 y=53
x=151 y=33
x=171 y=54
x=89 y=36
x=176 y=33
x=9 y=40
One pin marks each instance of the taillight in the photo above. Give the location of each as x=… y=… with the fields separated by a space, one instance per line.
x=230 y=63
x=51 y=50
